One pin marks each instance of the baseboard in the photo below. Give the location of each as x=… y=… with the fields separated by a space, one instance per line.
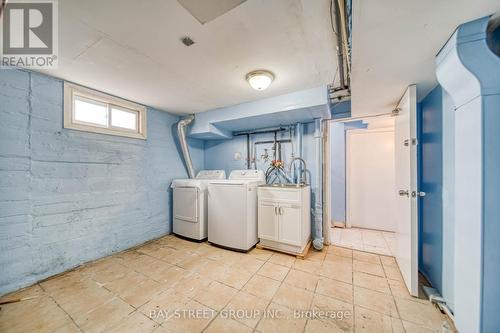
x=338 y=224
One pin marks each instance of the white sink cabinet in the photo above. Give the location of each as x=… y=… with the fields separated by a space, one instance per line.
x=284 y=219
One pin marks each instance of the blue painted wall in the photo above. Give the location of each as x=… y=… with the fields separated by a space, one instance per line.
x=338 y=172
x=67 y=197
x=431 y=182
x=338 y=166
x=219 y=154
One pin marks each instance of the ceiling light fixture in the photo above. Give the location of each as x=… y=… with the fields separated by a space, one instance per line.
x=260 y=80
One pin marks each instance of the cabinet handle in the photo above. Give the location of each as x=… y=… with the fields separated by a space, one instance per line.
x=281 y=210
x=275 y=210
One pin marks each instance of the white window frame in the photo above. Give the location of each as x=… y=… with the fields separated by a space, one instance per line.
x=72 y=90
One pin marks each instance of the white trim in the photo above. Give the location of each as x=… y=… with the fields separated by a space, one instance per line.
x=72 y=90
x=338 y=224
x=119 y=108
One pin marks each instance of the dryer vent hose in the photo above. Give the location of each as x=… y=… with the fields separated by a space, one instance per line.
x=181 y=131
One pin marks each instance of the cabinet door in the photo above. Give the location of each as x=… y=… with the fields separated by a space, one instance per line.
x=289 y=224
x=267 y=225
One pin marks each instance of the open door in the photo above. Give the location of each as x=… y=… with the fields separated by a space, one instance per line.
x=405 y=135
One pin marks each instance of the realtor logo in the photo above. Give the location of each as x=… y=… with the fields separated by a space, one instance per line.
x=29 y=34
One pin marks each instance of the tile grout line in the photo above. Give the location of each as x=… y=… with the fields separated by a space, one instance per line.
x=352 y=284
x=387 y=244
x=257 y=324
x=271 y=300
x=393 y=298
x=229 y=301
x=193 y=270
x=60 y=307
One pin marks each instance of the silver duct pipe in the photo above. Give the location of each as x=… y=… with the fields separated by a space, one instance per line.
x=339 y=25
x=181 y=131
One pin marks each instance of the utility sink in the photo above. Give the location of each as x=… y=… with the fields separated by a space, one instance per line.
x=286 y=185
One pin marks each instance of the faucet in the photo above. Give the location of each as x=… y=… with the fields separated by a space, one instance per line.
x=303 y=173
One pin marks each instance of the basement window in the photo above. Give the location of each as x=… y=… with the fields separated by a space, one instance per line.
x=92 y=111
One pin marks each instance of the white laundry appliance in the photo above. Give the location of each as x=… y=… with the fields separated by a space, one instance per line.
x=190 y=204
x=232 y=210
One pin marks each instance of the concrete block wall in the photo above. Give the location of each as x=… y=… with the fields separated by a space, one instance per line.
x=68 y=197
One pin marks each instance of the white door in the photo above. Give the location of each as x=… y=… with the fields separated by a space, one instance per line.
x=370 y=179
x=405 y=135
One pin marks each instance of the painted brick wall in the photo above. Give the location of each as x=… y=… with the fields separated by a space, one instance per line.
x=67 y=197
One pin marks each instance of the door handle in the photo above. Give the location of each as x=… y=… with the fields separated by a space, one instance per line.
x=404 y=193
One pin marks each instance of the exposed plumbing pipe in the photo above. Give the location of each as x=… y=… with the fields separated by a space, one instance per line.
x=345 y=40
x=298 y=150
x=493 y=33
x=181 y=131
x=339 y=25
x=340 y=50
x=318 y=194
x=261 y=131
x=248 y=151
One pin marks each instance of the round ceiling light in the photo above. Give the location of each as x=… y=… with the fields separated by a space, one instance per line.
x=260 y=80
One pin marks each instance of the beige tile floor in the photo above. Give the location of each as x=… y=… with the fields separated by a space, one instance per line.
x=215 y=290
x=374 y=241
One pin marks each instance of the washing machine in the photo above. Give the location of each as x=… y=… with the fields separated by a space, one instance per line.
x=190 y=204
x=232 y=210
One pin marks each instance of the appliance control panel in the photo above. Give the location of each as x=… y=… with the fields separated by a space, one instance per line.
x=247 y=174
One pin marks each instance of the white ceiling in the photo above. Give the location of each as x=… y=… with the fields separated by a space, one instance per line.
x=394 y=45
x=132 y=49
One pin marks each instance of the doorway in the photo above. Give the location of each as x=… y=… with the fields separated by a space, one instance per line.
x=362 y=182
x=370 y=179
